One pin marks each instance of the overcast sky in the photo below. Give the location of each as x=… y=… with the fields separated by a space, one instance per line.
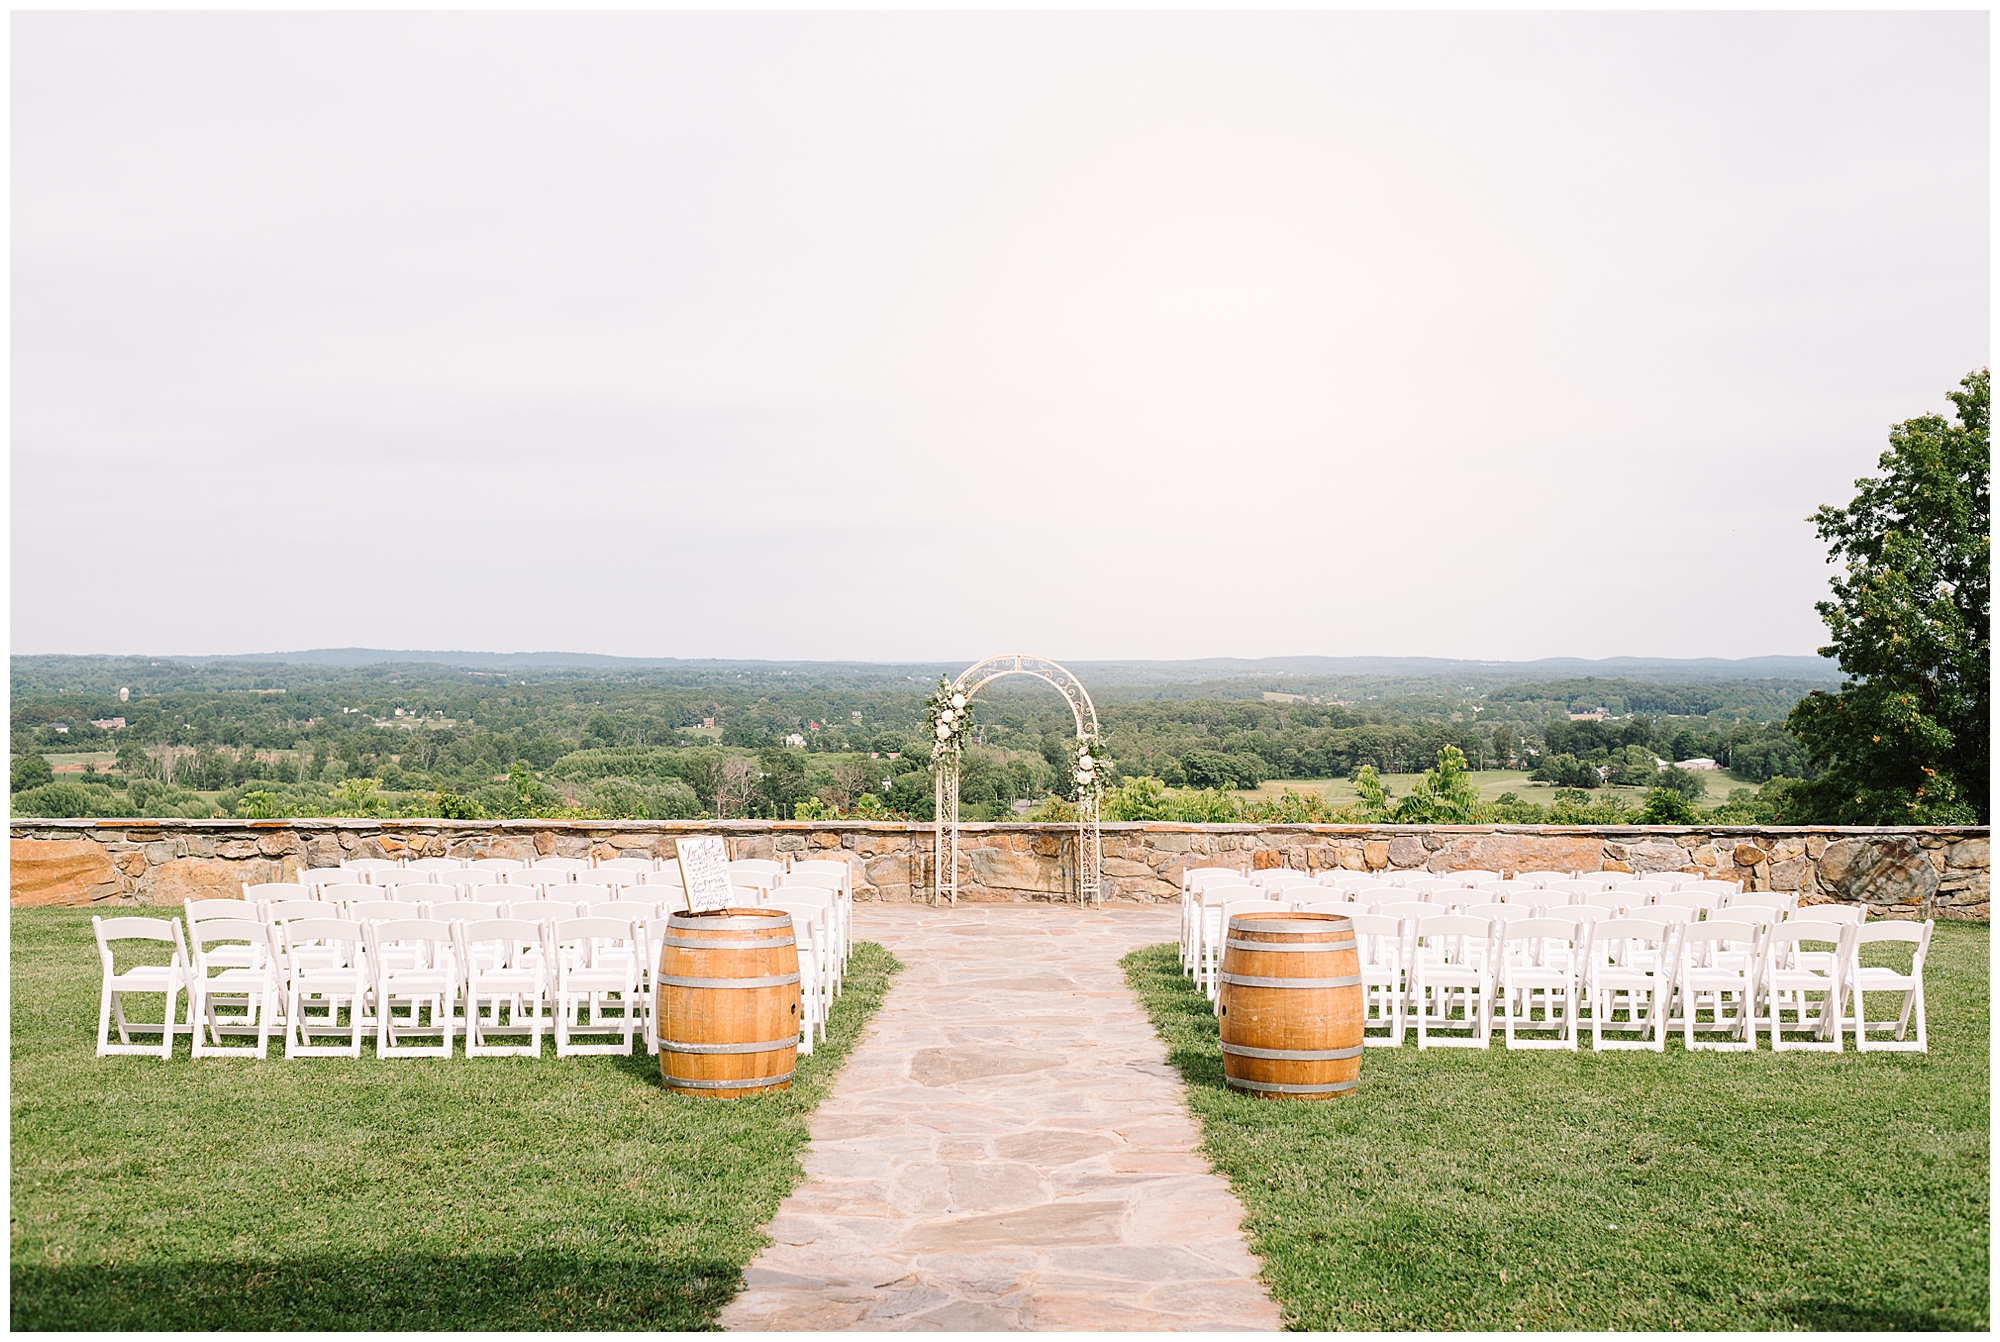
x=935 y=336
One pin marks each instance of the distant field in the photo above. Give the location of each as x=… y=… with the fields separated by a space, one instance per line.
x=1492 y=782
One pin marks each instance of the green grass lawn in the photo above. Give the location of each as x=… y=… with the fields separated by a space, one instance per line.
x=482 y=1193
x=1494 y=1190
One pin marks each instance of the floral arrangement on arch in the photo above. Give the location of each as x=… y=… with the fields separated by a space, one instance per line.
x=950 y=718
x=1090 y=766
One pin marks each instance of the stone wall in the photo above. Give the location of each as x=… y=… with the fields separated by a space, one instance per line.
x=1899 y=872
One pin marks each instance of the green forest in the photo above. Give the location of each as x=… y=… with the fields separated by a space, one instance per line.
x=264 y=739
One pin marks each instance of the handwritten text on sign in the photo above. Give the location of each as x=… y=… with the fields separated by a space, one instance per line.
x=705 y=873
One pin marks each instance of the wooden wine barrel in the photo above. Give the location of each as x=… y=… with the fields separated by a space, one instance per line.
x=1290 y=1003
x=728 y=1003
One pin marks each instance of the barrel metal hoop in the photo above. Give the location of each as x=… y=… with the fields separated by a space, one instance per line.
x=1249 y=922
x=771 y=981
x=766 y=1046
x=1281 y=1088
x=1289 y=947
x=688 y=1083
x=691 y=921
x=688 y=945
x=1293 y=1054
x=1260 y=981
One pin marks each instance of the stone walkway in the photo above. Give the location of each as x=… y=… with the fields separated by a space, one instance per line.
x=1007 y=1149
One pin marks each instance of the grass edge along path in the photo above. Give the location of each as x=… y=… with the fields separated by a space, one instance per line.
x=479 y=1193
x=1461 y=1189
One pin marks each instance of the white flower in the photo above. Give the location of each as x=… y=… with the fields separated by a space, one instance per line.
x=958 y=701
x=1084 y=760
x=944 y=732
x=945 y=716
x=1084 y=777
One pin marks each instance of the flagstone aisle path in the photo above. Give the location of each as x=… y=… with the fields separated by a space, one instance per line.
x=1007 y=1148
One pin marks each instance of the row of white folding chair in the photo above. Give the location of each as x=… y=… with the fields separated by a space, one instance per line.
x=819 y=918
x=277 y=972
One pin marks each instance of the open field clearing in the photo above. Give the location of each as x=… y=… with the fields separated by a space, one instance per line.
x=324 y=1193
x=1465 y=1189
x=1491 y=783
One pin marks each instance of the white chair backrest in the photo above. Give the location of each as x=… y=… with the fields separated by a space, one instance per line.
x=1686 y=899
x=1542 y=878
x=347 y=894
x=816 y=880
x=318 y=876
x=1502 y=913
x=1574 y=887
x=493 y=894
x=1833 y=913
x=1199 y=878
x=264 y=890
x=606 y=877
x=167 y=930
x=370 y=864
x=203 y=910
x=379 y=911
x=1603 y=880
x=1477 y=876
x=640 y=864
x=1215 y=895
x=629 y=910
x=291 y=910
x=825 y=866
x=495 y=864
x=464 y=878
x=1782 y=900
x=543 y=910
x=1719 y=887
x=1283 y=878
x=437 y=864
x=1618 y=901
x=1410 y=908
x=468 y=911
x=561 y=864
x=1540 y=931
x=1794 y=930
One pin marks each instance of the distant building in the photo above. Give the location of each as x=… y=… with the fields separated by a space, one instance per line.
x=62 y=727
x=124 y=695
x=1698 y=764
x=795 y=740
x=107 y=724
x=708 y=722
x=1598 y=716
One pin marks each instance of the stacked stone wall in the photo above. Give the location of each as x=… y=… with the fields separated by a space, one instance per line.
x=1915 y=872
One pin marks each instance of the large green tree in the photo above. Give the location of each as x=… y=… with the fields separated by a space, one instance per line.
x=1904 y=741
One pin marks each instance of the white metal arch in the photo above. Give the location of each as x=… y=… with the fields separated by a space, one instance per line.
x=1089 y=840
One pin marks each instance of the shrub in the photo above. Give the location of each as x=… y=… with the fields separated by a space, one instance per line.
x=1666 y=806
x=31 y=771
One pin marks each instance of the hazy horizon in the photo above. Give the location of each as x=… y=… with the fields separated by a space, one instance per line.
x=839 y=336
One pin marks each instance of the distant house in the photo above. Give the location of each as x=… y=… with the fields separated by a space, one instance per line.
x=62 y=727
x=107 y=724
x=1698 y=764
x=1598 y=716
x=795 y=740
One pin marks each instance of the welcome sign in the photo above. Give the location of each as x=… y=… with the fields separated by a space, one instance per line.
x=705 y=874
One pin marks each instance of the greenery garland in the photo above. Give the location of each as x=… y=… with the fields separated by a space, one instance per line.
x=1088 y=767
x=948 y=716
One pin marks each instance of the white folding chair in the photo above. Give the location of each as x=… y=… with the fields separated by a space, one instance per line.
x=828 y=901
x=811 y=928
x=1628 y=978
x=763 y=872
x=168 y=979
x=1211 y=924
x=1451 y=980
x=816 y=876
x=1714 y=974
x=414 y=968
x=501 y=975
x=1803 y=984
x=1384 y=947
x=1858 y=980
x=232 y=968
x=228 y=954
x=321 y=876
x=595 y=967
x=1538 y=971
x=324 y=962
